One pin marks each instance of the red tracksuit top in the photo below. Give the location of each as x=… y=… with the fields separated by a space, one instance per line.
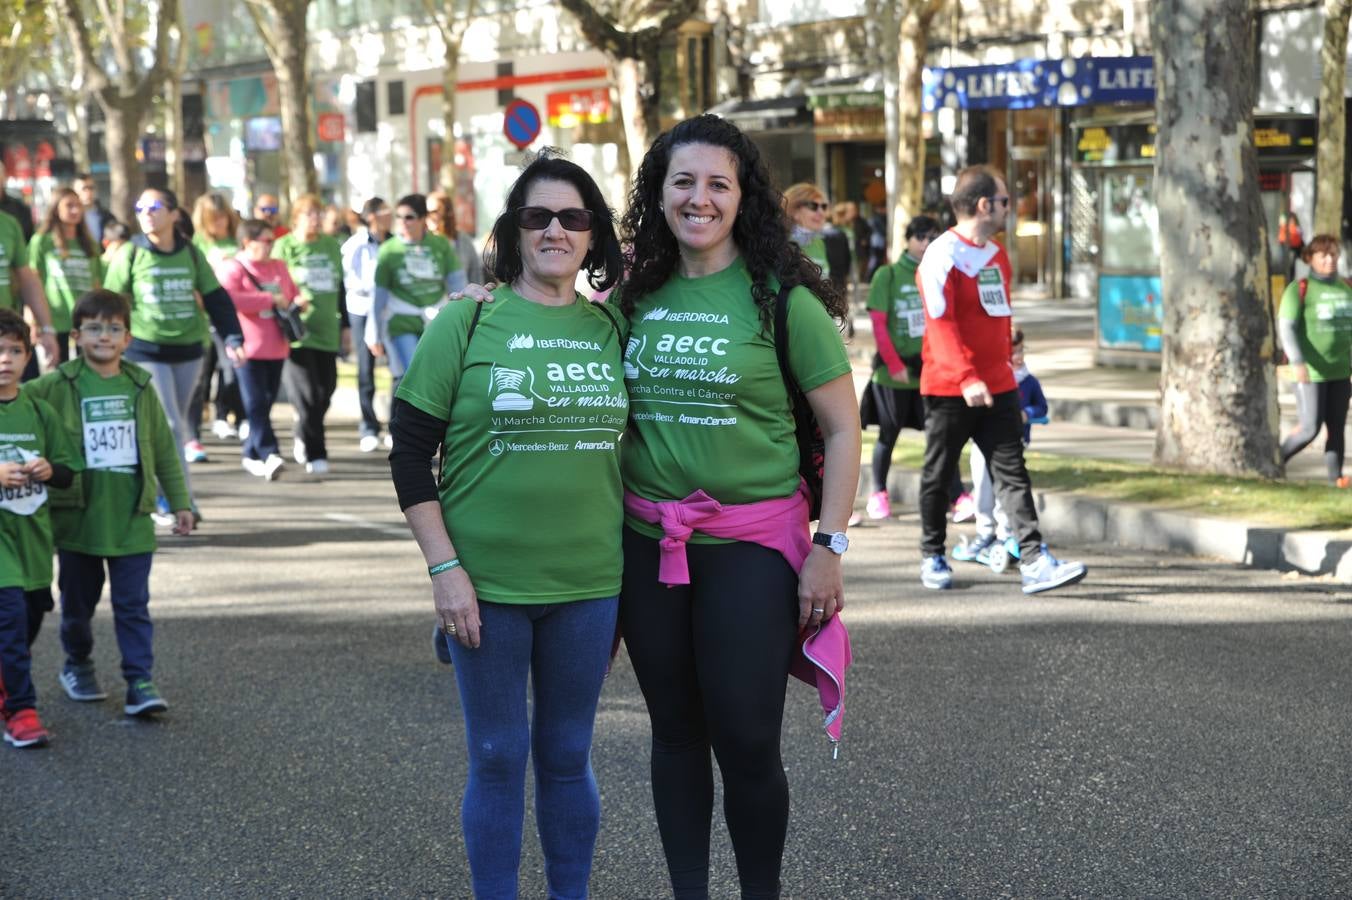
x=963 y=342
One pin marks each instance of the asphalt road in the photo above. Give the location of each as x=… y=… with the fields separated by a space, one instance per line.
x=1171 y=727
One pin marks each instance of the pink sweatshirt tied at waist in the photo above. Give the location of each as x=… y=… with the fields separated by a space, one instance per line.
x=780 y=524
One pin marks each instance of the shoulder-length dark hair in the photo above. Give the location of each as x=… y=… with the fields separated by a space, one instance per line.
x=51 y=224
x=603 y=263
x=760 y=230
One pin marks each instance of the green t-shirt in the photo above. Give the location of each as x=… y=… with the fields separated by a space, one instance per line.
x=13 y=255
x=163 y=288
x=107 y=524
x=530 y=487
x=710 y=408
x=1323 y=327
x=415 y=274
x=65 y=274
x=29 y=428
x=216 y=250
x=815 y=250
x=895 y=292
x=317 y=269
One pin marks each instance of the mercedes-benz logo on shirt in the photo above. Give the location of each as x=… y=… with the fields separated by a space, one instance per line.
x=496 y=448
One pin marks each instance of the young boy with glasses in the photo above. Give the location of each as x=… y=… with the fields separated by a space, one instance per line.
x=35 y=455
x=110 y=406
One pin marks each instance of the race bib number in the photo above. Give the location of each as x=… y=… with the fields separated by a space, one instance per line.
x=915 y=323
x=991 y=290
x=420 y=265
x=319 y=276
x=109 y=432
x=27 y=498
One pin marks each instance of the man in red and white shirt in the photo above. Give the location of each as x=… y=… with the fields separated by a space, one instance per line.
x=968 y=386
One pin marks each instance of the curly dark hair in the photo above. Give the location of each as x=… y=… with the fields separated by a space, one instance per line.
x=603 y=262
x=760 y=231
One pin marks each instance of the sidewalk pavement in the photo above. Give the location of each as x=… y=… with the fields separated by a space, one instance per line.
x=1111 y=413
x=1108 y=413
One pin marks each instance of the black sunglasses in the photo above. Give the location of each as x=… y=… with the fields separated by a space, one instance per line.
x=812 y=204
x=408 y=217
x=537 y=218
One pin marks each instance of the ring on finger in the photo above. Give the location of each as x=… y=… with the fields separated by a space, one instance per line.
x=819 y=611
x=450 y=628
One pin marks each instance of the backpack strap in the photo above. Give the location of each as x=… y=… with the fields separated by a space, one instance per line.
x=605 y=308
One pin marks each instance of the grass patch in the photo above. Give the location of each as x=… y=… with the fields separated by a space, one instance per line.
x=1286 y=504
x=347 y=377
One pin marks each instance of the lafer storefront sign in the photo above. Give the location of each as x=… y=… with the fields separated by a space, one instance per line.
x=1028 y=83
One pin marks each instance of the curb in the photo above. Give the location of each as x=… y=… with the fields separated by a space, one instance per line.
x=1104 y=412
x=1087 y=519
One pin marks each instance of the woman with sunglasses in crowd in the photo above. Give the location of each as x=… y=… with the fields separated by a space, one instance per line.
x=711 y=640
x=67 y=261
x=414 y=272
x=526 y=396
x=164 y=275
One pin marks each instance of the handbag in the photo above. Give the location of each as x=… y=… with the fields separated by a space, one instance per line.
x=289 y=318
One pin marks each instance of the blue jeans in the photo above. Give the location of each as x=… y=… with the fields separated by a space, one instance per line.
x=562 y=649
x=81 y=580
x=16 y=663
x=258 y=383
x=399 y=351
x=366 y=377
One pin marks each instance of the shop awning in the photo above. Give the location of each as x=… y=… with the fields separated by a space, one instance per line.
x=767 y=114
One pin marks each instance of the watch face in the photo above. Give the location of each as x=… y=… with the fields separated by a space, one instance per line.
x=839 y=543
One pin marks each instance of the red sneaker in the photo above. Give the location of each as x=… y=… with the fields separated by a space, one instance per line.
x=1342 y=481
x=24 y=729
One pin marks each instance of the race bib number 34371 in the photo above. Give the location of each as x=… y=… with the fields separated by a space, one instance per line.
x=109 y=432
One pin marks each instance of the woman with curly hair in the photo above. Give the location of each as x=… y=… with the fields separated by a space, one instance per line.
x=712 y=605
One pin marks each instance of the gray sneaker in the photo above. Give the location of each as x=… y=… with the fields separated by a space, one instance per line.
x=80 y=683
x=1047 y=572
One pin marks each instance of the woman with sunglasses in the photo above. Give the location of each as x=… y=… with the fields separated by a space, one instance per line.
x=711 y=640
x=892 y=398
x=66 y=260
x=164 y=275
x=526 y=396
x=414 y=272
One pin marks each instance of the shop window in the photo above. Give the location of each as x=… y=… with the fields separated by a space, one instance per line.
x=366 y=107
x=394 y=98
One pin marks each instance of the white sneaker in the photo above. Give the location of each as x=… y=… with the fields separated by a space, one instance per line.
x=223 y=430
x=243 y=431
x=368 y=443
x=272 y=467
x=317 y=467
x=387 y=441
x=298 y=452
x=254 y=467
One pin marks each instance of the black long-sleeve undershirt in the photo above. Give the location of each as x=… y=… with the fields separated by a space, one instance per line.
x=415 y=438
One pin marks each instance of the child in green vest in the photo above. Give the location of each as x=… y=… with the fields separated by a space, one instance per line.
x=35 y=454
x=129 y=451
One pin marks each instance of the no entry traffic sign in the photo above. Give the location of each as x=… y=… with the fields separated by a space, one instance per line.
x=521 y=123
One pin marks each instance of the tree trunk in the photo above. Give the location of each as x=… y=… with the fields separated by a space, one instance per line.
x=77 y=126
x=1218 y=401
x=633 y=114
x=282 y=28
x=1331 y=154
x=450 y=80
x=173 y=100
x=904 y=68
x=122 y=128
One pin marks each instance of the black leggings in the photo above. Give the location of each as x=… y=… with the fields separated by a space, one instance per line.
x=712 y=658
x=1321 y=403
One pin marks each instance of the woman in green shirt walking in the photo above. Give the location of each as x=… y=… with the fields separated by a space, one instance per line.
x=66 y=260
x=1314 y=324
